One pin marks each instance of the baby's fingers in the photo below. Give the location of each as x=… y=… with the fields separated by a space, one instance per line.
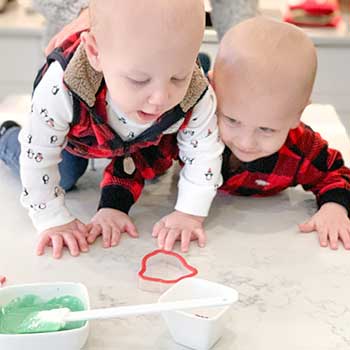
x=307 y=227
x=106 y=236
x=171 y=237
x=131 y=230
x=95 y=231
x=161 y=237
x=71 y=243
x=345 y=238
x=84 y=229
x=44 y=241
x=57 y=246
x=185 y=240
x=333 y=239
x=157 y=228
x=82 y=242
x=323 y=236
x=202 y=237
x=116 y=235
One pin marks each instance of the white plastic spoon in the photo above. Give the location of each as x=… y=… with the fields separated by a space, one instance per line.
x=54 y=320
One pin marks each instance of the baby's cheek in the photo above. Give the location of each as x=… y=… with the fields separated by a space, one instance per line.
x=227 y=135
x=273 y=145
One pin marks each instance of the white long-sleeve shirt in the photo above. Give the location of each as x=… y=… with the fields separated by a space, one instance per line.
x=45 y=136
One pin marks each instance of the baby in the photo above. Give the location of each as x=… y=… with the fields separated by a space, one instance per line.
x=263 y=77
x=128 y=90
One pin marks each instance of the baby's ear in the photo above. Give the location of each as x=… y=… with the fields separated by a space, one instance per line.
x=91 y=49
x=211 y=78
x=296 y=123
x=297 y=119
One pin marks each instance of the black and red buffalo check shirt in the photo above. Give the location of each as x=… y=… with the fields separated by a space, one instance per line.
x=305 y=159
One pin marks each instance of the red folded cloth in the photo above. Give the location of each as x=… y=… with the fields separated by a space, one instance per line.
x=315 y=13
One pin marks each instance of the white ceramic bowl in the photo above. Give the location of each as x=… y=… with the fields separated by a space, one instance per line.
x=197 y=329
x=64 y=340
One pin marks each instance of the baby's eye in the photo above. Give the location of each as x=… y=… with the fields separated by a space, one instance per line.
x=267 y=130
x=178 y=80
x=139 y=82
x=232 y=121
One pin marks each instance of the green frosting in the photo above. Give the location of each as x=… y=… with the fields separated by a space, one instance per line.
x=14 y=315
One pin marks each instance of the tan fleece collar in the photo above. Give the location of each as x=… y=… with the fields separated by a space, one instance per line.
x=85 y=82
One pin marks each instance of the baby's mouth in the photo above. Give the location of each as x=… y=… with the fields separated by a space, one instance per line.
x=148 y=116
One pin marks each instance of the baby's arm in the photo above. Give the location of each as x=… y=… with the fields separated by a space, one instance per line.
x=42 y=141
x=322 y=171
x=201 y=152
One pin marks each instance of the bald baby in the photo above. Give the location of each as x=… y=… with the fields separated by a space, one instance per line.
x=146 y=50
x=263 y=78
x=264 y=57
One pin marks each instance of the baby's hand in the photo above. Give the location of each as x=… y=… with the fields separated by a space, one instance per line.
x=179 y=226
x=72 y=235
x=110 y=223
x=332 y=224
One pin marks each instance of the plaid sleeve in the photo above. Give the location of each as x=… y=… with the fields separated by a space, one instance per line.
x=119 y=189
x=322 y=170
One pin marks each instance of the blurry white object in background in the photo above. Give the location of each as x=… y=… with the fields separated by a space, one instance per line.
x=15 y=107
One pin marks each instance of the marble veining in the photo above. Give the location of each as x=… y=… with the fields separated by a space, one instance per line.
x=294 y=295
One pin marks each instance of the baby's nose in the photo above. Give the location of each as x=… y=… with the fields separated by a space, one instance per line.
x=159 y=98
x=246 y=143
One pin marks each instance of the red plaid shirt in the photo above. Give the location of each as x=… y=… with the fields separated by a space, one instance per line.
x=305 y=159
x=90 y=136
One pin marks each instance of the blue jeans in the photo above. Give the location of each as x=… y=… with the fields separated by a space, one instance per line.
x=71 y=167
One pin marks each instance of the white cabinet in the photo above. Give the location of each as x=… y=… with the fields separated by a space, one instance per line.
x=20 y=49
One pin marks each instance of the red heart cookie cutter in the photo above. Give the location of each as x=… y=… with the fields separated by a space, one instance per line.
x=163 y=283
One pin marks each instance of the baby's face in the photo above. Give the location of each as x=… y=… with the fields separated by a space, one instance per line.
x=146 y=82
x=263 y=77
x=251 y=138
x=254 y=127
x=147 y=62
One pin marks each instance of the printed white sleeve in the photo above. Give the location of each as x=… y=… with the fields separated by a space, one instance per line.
x=201 y=151
x=42 y=140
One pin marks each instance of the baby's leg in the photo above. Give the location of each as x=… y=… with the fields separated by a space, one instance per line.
x=71 y=169
x=10 y=148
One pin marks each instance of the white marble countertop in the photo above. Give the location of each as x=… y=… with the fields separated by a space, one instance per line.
x=294 y=295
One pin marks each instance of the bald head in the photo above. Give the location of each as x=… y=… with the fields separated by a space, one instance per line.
x=146 y=51
x=263 y=56
x=152 y=17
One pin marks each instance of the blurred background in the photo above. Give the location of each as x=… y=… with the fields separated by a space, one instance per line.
x=24 y=32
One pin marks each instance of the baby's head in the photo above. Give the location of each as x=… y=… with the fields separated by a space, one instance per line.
x=263 y=78
x=146 y=50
